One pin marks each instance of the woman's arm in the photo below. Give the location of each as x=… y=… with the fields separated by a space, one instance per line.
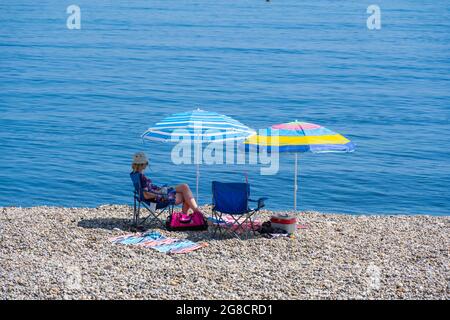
x=155 y=194
x=149 y=195
x=148 y=188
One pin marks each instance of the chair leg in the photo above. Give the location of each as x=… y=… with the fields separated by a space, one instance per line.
x=241 y=225
x=253 y=227
x=133 y=219
x=252 y=217
x=236 y=227
x=221 y=229
x=217 y=227
x=214 y=225
x=161 y=215
x=137 y=214
x=155 y=217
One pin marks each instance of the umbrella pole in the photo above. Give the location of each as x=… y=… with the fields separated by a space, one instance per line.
x=196 y=189
x=198 y=173
x=295 y=181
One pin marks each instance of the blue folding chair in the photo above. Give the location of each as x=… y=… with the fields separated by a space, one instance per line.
x=155 y=208
x=233 y=199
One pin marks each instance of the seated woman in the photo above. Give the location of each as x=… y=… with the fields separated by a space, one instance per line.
x=181 y=193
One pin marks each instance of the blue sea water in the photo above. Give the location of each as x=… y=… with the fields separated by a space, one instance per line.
x=73 y=103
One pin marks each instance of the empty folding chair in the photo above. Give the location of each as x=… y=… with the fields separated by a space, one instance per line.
x=232 y=200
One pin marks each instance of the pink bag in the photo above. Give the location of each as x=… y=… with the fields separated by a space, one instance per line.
x=179 y=221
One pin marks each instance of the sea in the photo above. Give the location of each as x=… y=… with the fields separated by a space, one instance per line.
x=74 y=102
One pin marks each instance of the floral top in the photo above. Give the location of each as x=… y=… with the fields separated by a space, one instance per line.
x=162 y=194
x=147 y=184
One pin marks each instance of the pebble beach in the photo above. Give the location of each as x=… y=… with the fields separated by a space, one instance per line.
x=65 y=253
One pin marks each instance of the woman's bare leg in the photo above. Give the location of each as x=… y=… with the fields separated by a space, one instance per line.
x=184 y=194
x=185 y=208
x=180 y=200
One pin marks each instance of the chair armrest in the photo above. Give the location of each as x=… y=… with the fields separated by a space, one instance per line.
x=260 y=202
x=156 y=200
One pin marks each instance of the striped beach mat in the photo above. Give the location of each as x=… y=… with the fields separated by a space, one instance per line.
x=158 y=242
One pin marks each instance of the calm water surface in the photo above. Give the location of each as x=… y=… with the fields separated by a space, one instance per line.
x=73 y=103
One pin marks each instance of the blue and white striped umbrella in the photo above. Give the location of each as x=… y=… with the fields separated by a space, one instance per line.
x=198 y=127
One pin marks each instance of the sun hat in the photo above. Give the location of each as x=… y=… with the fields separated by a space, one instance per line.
x=140 y=158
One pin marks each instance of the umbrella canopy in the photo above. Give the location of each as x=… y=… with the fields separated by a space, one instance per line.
x=198 y=127
x=298 y=137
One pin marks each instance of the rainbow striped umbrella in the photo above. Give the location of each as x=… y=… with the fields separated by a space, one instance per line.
x=296 y=137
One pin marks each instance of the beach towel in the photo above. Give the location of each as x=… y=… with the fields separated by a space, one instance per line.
x=158 y=242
